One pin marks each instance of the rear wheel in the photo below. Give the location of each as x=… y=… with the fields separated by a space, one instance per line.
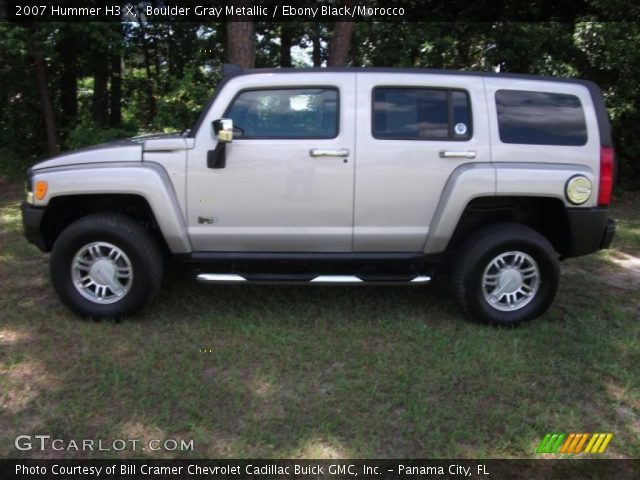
x=505 y=274
x=106 y=265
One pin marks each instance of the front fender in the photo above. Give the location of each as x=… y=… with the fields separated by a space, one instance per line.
x=147 y=180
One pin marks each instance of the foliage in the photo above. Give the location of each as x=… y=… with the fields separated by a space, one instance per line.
x=168 y=70
x=85 y=134
x=21 y=126
x=180 y=107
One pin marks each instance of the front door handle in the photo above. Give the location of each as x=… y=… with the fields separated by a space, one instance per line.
x=329 y=152
x=449 y=154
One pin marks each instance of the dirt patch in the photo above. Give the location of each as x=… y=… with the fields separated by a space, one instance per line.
x=626 y=278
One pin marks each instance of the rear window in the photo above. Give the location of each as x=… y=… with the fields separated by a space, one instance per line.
x=421 y=114
x=540 y=118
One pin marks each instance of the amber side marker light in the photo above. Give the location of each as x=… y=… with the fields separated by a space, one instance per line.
x=41 y=189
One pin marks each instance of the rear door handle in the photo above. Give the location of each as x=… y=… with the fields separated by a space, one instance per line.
x=449 y=154
x=329 y=152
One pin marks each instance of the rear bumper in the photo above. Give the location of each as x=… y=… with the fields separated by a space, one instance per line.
x=609 y=232
x=31 y=221
x=591 y=230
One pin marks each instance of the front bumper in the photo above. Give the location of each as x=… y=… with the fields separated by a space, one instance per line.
x=591 y=229
x=31 y=221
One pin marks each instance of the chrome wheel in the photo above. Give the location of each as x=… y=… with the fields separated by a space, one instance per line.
x=101 y=272
x=510 y=281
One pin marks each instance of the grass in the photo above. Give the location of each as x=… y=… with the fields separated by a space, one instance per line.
x=318 y=372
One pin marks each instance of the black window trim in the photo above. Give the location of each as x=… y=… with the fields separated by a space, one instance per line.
x=287 y=87
x=584 y=116
x=451 y=136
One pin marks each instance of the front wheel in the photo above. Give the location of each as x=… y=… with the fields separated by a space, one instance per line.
x=106 y=265
x=505 y=274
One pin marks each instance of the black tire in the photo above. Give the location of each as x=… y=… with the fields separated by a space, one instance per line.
x=477 y=253
x=127 y=235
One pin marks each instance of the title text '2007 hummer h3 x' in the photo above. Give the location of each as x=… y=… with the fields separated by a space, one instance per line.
x=340 y=176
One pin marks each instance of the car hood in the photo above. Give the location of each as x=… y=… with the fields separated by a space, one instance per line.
x=123 y=150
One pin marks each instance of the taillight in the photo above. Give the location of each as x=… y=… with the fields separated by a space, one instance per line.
x=606 y=175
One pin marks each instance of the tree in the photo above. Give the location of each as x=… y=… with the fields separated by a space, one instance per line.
x=67 y=55
x=146 y=55
x=341 y=40
x=240 y=40
x=286 y=42
x=115 y=92
x=40 y=66
x=316 y=38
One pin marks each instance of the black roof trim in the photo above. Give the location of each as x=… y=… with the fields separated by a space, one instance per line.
x=230 y=71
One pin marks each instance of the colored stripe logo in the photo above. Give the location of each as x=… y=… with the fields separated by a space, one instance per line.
x=573 y=443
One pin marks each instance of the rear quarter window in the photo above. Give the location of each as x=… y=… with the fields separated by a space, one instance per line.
x=540 y=118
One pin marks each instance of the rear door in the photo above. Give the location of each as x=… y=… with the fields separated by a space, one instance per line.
x=413 y=131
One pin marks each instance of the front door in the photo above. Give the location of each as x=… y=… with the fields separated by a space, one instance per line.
x=288 y=176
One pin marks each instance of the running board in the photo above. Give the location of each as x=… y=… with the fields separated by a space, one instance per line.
x=234 y=279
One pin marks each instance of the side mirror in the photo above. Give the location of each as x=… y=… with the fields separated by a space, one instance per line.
x=223 y=129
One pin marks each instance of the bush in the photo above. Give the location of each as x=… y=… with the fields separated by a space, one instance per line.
x=85 y=134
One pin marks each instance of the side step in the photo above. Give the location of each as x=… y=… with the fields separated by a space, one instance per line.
x=234 y=279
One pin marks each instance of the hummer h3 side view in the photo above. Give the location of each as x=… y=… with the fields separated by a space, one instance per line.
x=340 y=176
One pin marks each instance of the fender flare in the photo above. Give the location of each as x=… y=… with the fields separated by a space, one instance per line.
x=465 y=183
x=147 y=180
x=473 y=180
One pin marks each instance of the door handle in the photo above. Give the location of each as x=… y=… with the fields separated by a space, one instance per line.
x=449 y=154
x=329 y=152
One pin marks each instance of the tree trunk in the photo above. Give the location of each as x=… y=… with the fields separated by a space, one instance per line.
x=151 y=98
x=45 y=95
x=68 y=83
x=100 y=103
x=316 y=54
x=240 y=42
x=286 y=39
x=341 y=41
x=115 y=93
x=47 y=105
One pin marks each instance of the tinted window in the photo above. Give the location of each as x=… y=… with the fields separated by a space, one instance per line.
x=540 y=118
x=420 y=114
x=461 y=113
x=285 y=113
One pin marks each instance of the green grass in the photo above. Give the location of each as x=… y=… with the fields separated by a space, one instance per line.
x=317 y=372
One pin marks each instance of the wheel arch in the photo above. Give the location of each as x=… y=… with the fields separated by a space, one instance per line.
x=143 y=192
x=528 y=193
x=546 y=215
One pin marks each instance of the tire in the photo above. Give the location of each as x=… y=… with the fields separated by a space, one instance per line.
x=114 y=257
x=505 y=274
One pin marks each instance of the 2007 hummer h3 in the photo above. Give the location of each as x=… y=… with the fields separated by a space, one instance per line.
x=347 y=176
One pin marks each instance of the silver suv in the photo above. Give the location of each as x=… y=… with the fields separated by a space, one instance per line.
x=340 y=176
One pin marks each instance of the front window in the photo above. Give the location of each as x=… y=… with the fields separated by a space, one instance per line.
x=292 y=113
